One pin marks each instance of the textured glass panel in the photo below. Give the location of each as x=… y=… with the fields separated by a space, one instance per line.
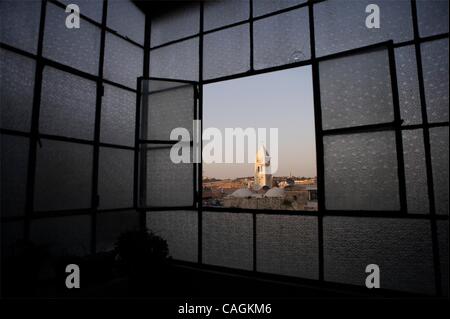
x=340 y=25
x=14 y=161
x=123 y=61
x=226 y=52
x=111 y=224
x=63 y=176
x=179 y=229
x=219 y=13
x=261 y=7
x=400 y=247
x=176 y=61
x=168 y=110
x=415 y=172
x=118 y=116
x=90 y=8
x=435 y=76
x=361 y=171
x=16 y=94
x=10 y=234
x=67 y=105
x=127 y=19
x=282 y=39
x=287 y=245
x=19 y=23
x=432 y=17
x=442 y=230
x=179 y=22
x=63 y=236
x=78 y=48
x=439 y=161
x=356 y=90
x=408 y=85
x=228 y=240
x=115 y=180
x=168 y=184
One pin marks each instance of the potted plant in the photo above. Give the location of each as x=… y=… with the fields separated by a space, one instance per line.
x=143 y=257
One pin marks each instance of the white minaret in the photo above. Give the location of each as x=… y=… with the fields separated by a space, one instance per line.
x=262 y=169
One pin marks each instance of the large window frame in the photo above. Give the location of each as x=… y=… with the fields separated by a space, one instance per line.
x=34 y=135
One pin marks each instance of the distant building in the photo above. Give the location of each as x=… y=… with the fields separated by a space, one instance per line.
x=288 y=198
x=263 y=176
x=264 y=192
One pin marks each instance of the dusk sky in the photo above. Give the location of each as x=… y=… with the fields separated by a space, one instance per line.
x=282 y=99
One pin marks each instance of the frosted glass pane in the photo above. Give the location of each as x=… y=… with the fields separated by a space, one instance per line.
x=287 y=245
x=340 y=25
x=176 y=61
x=261 y=7
x=16 y=94
x=442 y=230
x=179 y=229
x=408 y=85
x=400 y=247
x=90 y=8
x=118 y=116
x=219 y=13
x=439 y=162
x=228 y=240
x=356 y=90
x=361 y=172
x=79 y=49
x=14 y=166
x=111 y=224
x=116 y=176
x=63 y=176
x=432 y=17
x=127 y=19
x=123 y=61
x=67 y=105
x=181 y=21
x=435 y=77
x=168 y=184
x=282 y=39
x=19 y=23
x=226 y=52
x=168 y=110
x=415 y=172
x=63 y=236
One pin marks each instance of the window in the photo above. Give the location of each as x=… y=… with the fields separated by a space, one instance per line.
x=68 y=123
x=362 y=118
x=262 y=171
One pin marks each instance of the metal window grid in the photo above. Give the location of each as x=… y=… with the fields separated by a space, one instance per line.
x=139 y=170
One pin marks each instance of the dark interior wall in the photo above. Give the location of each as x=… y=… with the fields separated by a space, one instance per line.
x=68 y=100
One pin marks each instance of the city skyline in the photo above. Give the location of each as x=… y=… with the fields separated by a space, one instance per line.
x=283 y=100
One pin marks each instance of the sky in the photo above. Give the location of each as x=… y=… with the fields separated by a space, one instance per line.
x=282 y=99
